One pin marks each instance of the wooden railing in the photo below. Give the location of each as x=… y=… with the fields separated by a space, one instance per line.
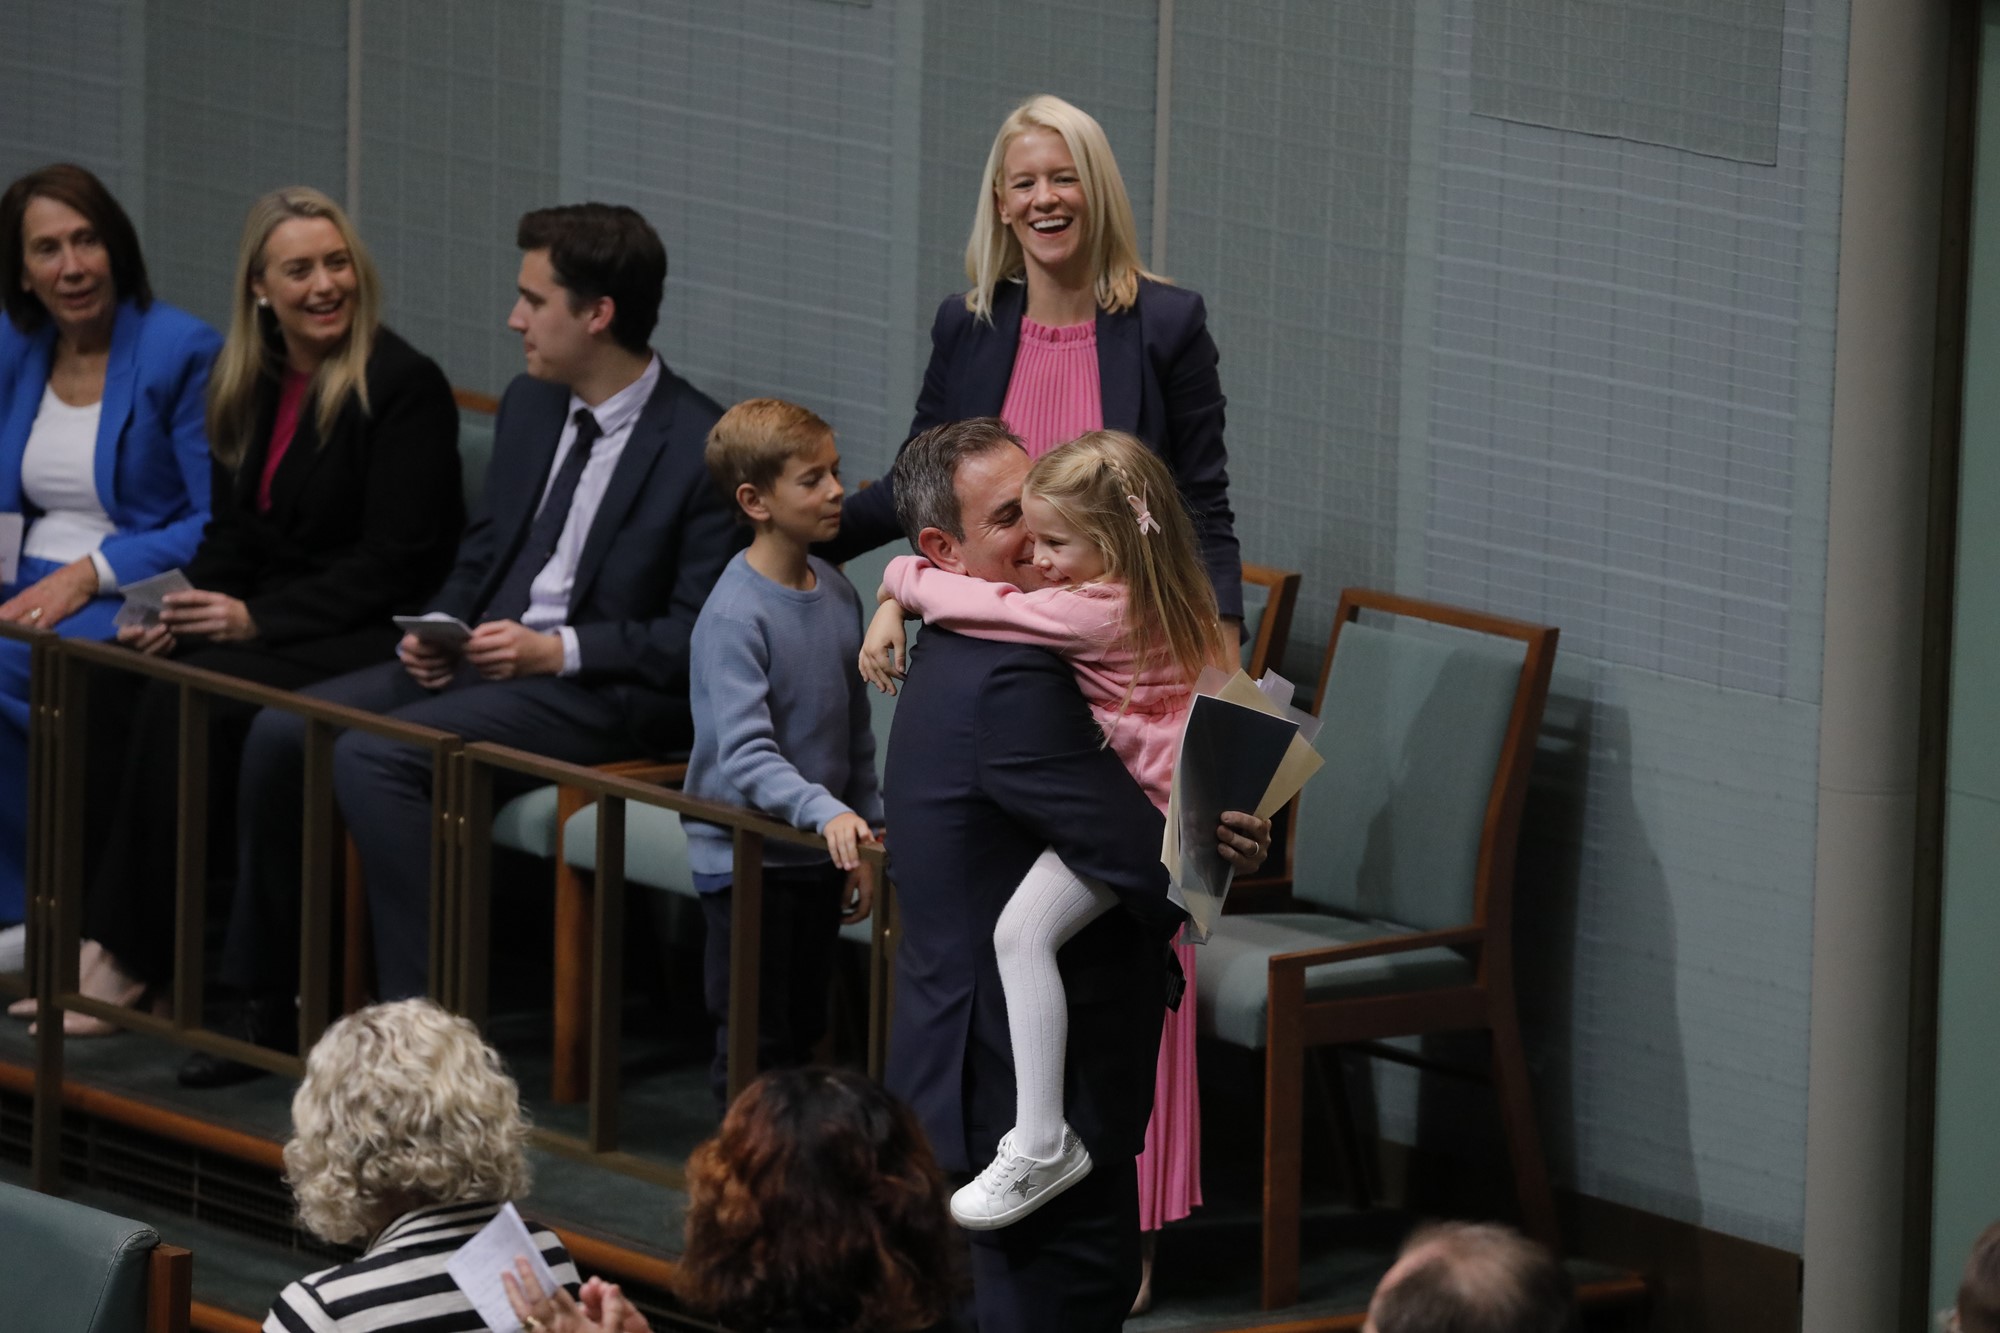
x=460 y=873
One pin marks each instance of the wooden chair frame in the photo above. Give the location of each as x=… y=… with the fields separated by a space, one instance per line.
x=1486 y=1002
x=169 y=1289
x=1274 y=628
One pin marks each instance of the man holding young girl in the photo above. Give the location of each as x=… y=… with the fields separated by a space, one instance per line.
x=993 y=758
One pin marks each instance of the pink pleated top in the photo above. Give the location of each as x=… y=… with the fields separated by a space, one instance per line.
x=1053 y=394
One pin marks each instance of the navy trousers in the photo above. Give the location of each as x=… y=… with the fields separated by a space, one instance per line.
x=384 y=789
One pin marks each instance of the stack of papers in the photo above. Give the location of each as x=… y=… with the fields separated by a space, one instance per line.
x=1243 y=747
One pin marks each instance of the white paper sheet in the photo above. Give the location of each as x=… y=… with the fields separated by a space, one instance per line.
x=477 y=1267
x=445 y=631
x=145 y=599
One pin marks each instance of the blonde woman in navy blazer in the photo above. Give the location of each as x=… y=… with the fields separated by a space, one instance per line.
x=84 y=333
x=1156 y=364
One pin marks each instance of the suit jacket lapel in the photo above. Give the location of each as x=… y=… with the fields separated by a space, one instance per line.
x=1121 y=368
x=29 y=386
x=992 y=365
x=642 y=450
x=119 y=379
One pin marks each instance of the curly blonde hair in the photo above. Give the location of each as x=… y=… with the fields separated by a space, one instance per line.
x=402 y=1106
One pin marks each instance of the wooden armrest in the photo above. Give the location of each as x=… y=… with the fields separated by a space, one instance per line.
x=648 y=770
x=1343 y=953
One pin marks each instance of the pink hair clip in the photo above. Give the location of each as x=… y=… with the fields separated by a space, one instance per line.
x=1147 y=523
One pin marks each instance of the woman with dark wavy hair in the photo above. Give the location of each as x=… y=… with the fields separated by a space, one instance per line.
x=817 y=1206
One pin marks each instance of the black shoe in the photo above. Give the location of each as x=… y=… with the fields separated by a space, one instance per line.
x=264 y=1020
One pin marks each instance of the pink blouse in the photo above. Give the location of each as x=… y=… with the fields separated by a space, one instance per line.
x=1053 y=394
x=1086 y=625
x=291 y=398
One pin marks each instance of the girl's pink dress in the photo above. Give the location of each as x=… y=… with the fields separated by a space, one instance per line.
x=1084 y=624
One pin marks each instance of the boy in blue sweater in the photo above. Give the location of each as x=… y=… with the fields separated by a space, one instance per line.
x=781 y=725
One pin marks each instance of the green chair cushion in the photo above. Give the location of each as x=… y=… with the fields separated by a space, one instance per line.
x=1232 y=971
x=655 y=854
x=71 y=1269
x=528 y=823
x=655 y=847
x=475 y=451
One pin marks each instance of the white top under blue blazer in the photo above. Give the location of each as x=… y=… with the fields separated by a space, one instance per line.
x=152 y=466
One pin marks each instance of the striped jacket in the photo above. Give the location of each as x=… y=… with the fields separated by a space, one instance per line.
x=400 y=1283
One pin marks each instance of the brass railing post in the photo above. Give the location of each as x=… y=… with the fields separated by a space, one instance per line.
x=607 y=987
x=447 y=833
x=475 y=888
x=191 y=859
x=746 y=954
x=316 y=862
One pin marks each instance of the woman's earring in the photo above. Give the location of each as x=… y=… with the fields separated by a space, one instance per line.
x=263 y=303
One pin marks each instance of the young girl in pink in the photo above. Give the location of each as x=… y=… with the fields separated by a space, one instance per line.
x=1129 y=606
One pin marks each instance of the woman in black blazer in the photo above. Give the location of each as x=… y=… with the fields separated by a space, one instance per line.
x=1053 y=250
x=336 y=503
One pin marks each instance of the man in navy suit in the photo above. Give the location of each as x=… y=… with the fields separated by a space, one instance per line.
x=993 y=757
x=598 y=539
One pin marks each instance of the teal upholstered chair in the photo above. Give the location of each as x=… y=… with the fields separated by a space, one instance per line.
x=66 y=1268
x=1429 y=727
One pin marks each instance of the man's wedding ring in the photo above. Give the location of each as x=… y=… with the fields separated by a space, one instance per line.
x=35 y=613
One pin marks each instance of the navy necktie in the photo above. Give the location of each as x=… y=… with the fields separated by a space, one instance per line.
x=510 y=598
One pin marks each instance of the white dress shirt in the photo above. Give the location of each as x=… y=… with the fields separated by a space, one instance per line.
x=548 y=595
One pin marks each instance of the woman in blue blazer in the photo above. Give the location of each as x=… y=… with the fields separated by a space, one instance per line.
x=1054 y=265
x=103 y=452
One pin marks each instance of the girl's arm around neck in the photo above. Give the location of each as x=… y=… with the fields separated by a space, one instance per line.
x=1077 y=622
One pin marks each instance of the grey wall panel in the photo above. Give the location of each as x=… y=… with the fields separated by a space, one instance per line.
x=241 y=97
x=1287 y=195
x=1701 y=75
x=1616 y=407
x=459 y=137
x=757 y=138
x=65 y=68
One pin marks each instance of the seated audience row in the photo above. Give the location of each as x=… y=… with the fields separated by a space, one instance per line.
x=816 y=1206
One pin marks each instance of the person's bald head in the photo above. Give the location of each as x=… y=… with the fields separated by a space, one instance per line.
x=1463 y=1277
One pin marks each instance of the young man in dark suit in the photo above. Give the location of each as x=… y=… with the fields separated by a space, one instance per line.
x=598 y=539
x=993 y=757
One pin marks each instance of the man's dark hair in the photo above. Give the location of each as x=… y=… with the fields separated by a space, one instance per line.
x=926 y=472
x=601 y=250
x=72 y=185
x=1478 y=1278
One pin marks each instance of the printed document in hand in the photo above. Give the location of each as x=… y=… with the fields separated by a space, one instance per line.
x=1243 y=747
x=435 y=628
x=477 y=1267
x=145 y=599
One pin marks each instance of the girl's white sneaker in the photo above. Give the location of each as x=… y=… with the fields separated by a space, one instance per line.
x=1014 y=1184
